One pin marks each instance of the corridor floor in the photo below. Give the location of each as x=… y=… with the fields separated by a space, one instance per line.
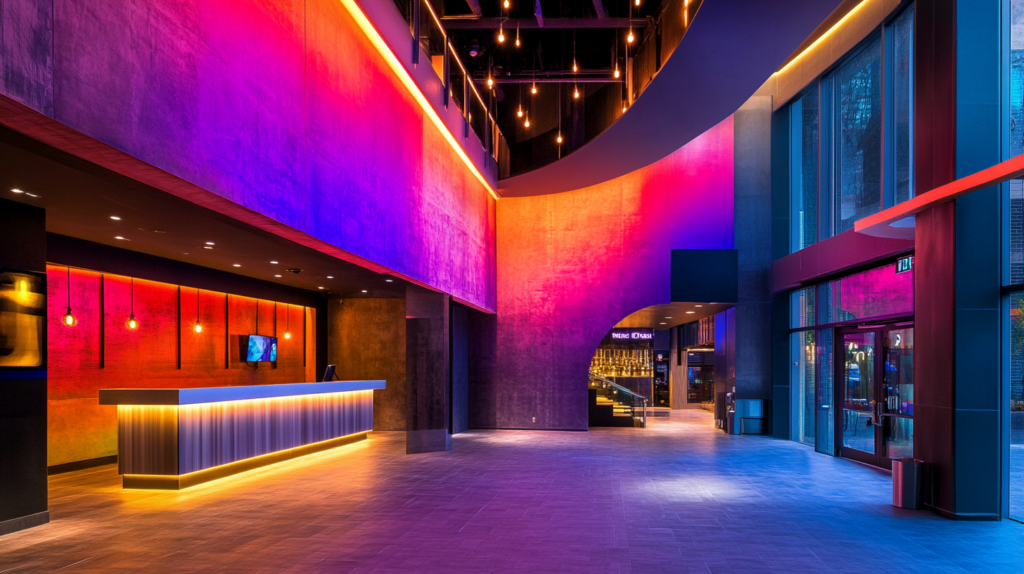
x=675 y=497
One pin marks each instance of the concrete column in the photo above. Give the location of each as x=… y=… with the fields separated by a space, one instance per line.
x=428 y=370
x=366 y=340
x=752 y=127
x=678 y=379
x=460 y=369
x=23 y=497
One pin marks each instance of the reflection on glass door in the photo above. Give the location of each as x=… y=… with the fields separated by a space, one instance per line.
x=859 y=410
x=898 y=409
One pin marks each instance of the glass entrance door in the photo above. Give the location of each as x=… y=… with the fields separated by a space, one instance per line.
x=877 y=393
x=860 y=407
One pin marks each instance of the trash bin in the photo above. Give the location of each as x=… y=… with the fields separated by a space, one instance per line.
x=730 y=425
x=906 y=483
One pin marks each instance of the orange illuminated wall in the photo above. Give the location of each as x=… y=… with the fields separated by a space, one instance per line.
x=165 y=351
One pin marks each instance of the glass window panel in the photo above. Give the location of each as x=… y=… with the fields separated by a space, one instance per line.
x=1016 y=139
x=802 y=391
x=1017 y=406
x=801 y=308
x=825 y=426
x=878 y=292
x=804 y=171
x=902 y=33
x=858 y=138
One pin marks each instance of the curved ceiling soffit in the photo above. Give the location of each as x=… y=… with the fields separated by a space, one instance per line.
x=732 y=48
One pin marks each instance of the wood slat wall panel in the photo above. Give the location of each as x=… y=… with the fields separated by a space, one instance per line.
x=212 y=434
x=147 y=438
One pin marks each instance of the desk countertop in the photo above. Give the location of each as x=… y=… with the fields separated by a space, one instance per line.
x=223 y=394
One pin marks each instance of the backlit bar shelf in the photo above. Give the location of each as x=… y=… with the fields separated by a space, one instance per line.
x=170 y=439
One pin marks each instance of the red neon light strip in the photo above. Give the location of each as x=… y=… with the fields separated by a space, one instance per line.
x=1007 y=170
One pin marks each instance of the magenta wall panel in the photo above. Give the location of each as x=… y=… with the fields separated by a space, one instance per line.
x=571 y=265
x=282 y=107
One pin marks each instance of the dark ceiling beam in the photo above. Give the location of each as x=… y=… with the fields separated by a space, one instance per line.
x=599 y=10
x=474 y=5
x=463 y=23
x=567 y=79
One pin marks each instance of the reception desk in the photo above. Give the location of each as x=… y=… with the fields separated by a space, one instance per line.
x=170 y=439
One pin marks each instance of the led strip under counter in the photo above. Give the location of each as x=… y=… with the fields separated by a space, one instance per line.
x=171 y=439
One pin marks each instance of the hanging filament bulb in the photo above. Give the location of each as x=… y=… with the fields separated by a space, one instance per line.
x=132 y=323
x=501 y=36
x=520 y=112
x=506 y=3
x=198 y=327
x=575 y=92
x=490 y=82
x=559 y=140
x=69 y=320
x=623 y=109
x=527 y=124
x=575 y=68
x=616 y=74
x=630 y=37
x=517 y=36
x=637 y=2
x=287 y=335
x=534 y=89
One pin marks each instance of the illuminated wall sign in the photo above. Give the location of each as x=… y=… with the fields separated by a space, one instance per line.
x=632 y=334
x=904 y=264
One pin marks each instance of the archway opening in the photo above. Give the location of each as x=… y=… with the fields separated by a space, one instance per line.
x=655 y=360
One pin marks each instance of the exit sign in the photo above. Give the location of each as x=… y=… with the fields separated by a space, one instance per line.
x=904 y=264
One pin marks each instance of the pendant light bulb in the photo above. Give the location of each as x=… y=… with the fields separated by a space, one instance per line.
x=575 y=68
x=517 y=40
x=637 y=2
x=616 y=74
x=534 y=89
x=506 y=3
x=575 y=93
x=199 y=327
x=490 y=82
x=132 y=323
x=630 y=37
x=527 y=121
x=520 y=112
x=559 y=140
x=501 y=36
x=69 y=320
x=287 y=335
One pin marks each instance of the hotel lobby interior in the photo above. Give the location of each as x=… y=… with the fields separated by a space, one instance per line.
x=488 y=286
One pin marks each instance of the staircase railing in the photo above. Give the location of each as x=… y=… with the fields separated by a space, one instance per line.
x=617 y=393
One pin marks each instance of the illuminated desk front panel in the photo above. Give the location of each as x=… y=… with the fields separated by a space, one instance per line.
x=175 y=438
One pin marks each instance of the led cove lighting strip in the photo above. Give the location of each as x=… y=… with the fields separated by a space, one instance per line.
x=821 y=38
x=410 y=85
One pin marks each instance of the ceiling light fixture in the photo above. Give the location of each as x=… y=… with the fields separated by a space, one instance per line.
x=690 y=312
x=390 y=280
x=330 y=276
x=198 y=326
x=364 y=290
x=115 y=218
x=319 y=287
x=273 y=262
x=236 y=265
x=698 y=305
x=132 y=323
x=276 y=275
x=16 y=190
x=210 y=243
x=207 y=247
x=119 y=238
x=31 y=194
x=69 y=320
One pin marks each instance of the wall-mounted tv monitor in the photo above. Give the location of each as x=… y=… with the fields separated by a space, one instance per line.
x=261 y=349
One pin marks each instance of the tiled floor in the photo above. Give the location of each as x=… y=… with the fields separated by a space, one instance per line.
x=676 y=497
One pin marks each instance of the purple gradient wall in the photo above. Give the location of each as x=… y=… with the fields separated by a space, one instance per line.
x=571 y=265
x=282 y=107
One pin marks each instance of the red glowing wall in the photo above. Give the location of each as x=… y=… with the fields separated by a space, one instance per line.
x=572 y=265
x=100 y=351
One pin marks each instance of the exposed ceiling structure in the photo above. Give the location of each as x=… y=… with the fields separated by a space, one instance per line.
x=83 y=200
x=731 y=49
